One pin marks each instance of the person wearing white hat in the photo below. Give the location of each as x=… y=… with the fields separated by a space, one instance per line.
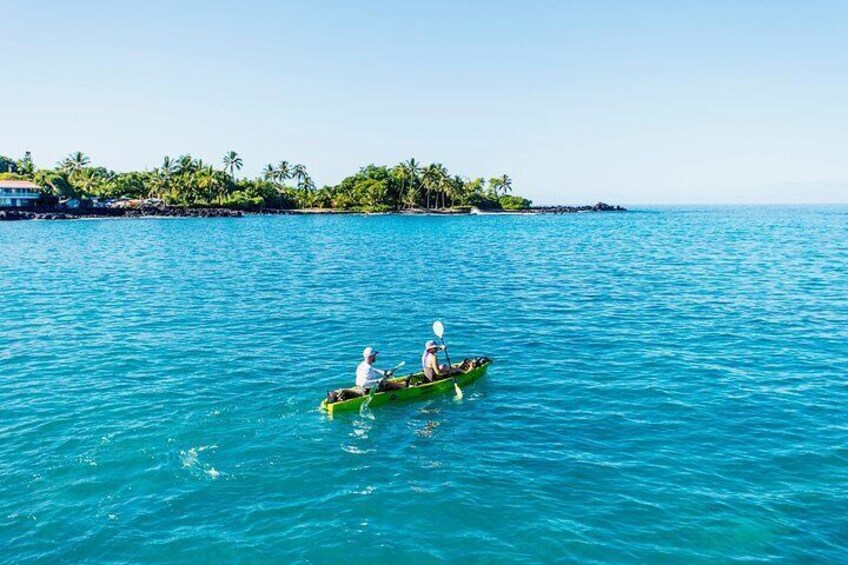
x=367 y=375
x=430 y=363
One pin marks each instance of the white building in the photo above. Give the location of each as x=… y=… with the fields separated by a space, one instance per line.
x=18 y=193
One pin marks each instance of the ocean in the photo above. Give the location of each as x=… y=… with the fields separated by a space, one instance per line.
x=668 y=386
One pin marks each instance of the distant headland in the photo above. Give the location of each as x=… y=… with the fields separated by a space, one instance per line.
x=188 y=187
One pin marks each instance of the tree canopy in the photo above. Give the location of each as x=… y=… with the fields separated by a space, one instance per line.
x=188 y=181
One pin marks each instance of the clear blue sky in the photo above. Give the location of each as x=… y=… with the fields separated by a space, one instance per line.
x=626 y=102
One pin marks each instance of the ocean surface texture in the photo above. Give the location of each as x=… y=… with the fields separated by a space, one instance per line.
x=669 y=386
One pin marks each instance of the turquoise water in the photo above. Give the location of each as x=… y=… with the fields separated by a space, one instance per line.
x=668 y=387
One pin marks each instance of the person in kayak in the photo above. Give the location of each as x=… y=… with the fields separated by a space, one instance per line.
x=430 y=363
x=367 y=375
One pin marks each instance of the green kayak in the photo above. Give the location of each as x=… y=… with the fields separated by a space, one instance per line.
x=470 y=371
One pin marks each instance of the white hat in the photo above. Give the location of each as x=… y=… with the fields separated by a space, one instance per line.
x=431 y=343
x=369 y=352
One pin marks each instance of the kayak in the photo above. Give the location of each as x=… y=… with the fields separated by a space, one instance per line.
x=423 y=390
x=474 y=372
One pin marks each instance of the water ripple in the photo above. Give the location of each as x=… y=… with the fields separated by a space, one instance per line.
x=669 y=386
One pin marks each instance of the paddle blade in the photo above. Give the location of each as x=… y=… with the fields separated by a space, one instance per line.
x=364 y=411
x=363 y=408
x=457 y=390
x=438 y=329
x=398 y=366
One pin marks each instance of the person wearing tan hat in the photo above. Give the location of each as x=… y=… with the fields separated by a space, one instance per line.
x=430 y=363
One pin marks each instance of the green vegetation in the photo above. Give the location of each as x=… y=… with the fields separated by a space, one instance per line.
x=186 y=181
x=510 y=202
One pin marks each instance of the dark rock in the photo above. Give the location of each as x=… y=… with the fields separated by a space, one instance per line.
x=147 y=211
x=599 y=207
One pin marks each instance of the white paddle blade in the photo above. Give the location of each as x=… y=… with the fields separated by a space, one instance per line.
x=438 y=329
x=458 y=391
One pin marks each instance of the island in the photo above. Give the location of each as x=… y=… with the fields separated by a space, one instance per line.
x=188 y=187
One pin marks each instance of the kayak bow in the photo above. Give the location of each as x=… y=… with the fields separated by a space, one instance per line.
x=445 y=385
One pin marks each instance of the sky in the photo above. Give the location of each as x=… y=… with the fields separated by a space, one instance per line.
x=624 y=102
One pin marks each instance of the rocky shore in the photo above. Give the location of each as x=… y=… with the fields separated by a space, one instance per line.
x=599 y=207
x=176 y=212
x=11 y=214
x=145 y=212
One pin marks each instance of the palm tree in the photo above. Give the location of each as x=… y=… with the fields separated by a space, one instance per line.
x=434 y=180
x=168 y=167
x=410 y=197
x=445 y=184
x=156 y=184
x=475 y=189
x=185 y=164
x=209 y=184
x=505 y=183
x=413 y=166
x=233 y=162
x=269 y=172
x=494 y=187
x=75 y=162
x=502 y=184
x=457 y=189
x=430 y=179
x=410 y=170
x=88 y=180
x=305 y=184
x=160 y=179
x=306 y=191
x=284 y=172
x=298 y=172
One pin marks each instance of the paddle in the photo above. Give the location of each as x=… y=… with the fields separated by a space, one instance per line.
x=374 y=387
x=439 y=330
x=396 y=367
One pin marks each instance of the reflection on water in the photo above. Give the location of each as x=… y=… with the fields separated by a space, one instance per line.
x=428 y=429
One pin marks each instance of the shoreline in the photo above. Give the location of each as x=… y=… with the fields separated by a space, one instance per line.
x=21 y=214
